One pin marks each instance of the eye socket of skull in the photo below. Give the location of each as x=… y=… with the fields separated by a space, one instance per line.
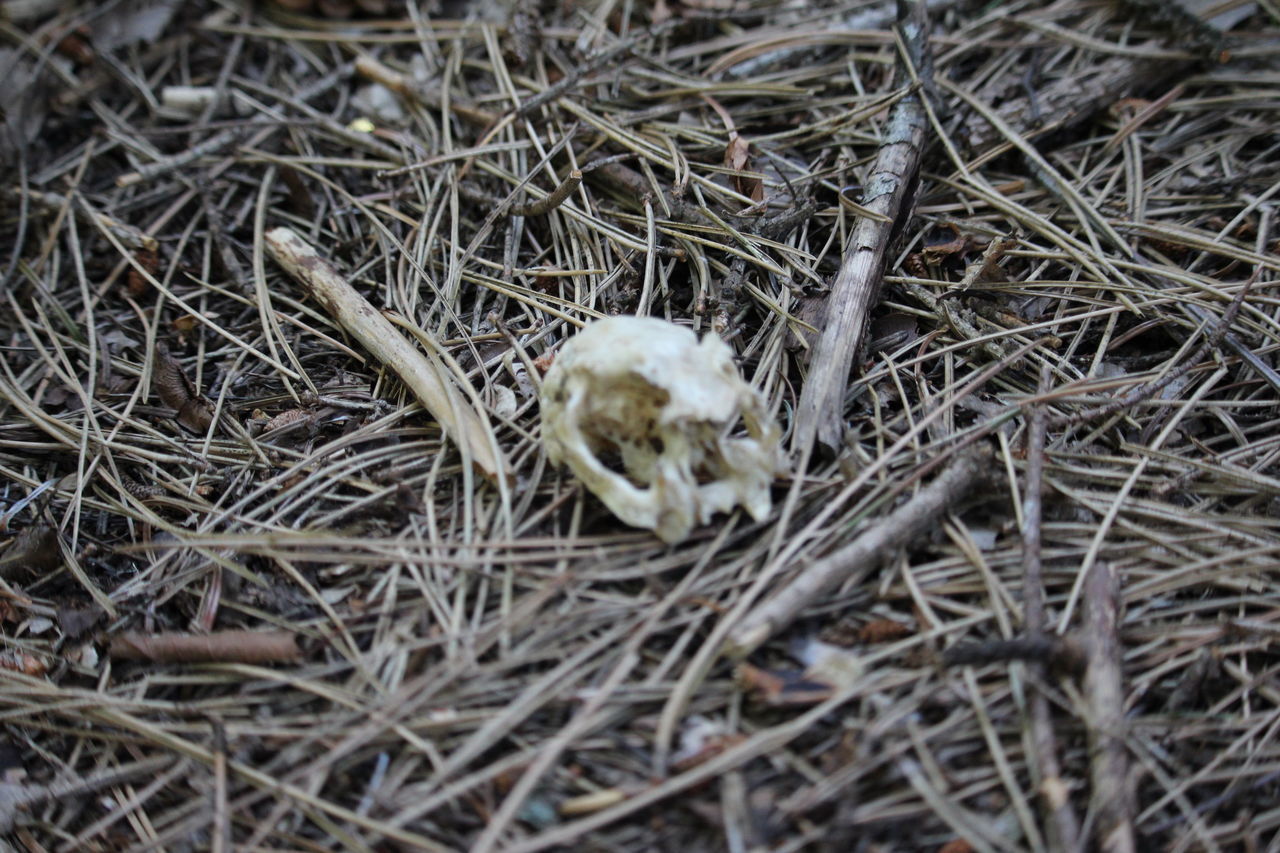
x=694 y=439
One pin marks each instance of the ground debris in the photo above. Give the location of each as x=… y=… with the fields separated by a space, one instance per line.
x=248 y=561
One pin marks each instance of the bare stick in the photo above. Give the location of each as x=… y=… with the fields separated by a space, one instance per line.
x=1111 y=797
x=859 y=557
x=17 y=798
x=425 y=377
x=213 y=145
x=857 y=284
x=129 y=236
x=407 y=87
x=221 y=830
x=1148 y=390
x=1075 y=98
x=1052 y=788
x=545 y=205
x=219 y=647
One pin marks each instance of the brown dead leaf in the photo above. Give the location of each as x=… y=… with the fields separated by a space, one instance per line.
x=543 y=362
x=137 y=283
x=34 y=550
x=781 y=688
x=958 y=845
x=944 y=241
x=286 y=418
x=737 y=156
x=883 y=631
x=711 y=747
x=987 y=269
x=193 y=410
x=19 y=661
x=76 y=46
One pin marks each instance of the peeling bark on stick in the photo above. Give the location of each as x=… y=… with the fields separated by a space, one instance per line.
x=422 y=373
x=819 y=413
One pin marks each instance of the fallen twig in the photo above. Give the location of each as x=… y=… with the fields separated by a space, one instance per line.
x=220 y=647
x=1111 y=797
x=1075 y=98
x=863 y=554
x=16 y=798
x=1052 y=789
x=412 y=90
x=545 y=205
x=857 y=284
x=421 y=372
x=1147 y=390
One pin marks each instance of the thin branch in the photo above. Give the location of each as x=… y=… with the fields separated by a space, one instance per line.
x=1111 y=797
x=857 y=559
x=1052 y=789
x=857 y=285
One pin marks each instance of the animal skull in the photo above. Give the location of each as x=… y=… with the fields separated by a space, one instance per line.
x=669 y=407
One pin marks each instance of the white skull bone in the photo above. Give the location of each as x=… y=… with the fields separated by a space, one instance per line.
x=670 y=408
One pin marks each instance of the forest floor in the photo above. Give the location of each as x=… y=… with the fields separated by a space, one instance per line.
x=1002 y=278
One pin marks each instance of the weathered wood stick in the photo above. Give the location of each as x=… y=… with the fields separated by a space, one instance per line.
x=857 y=284
x=857 y=559
x=1111 y=795
x=218 y=647
x=421 y=372
x=1053 y=790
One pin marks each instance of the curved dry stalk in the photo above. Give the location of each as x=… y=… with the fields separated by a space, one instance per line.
x=430 y=384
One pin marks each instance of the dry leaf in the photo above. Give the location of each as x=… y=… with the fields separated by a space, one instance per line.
x=137 y=283
x=76 y=621
x=946 y=240
x=780 y=688
x=987 y=268
x=737 y=156
x=34 y=550
x=286 y=418
x=19 y=661
x=193 y=410
x=883 y=631
x=75 y=46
